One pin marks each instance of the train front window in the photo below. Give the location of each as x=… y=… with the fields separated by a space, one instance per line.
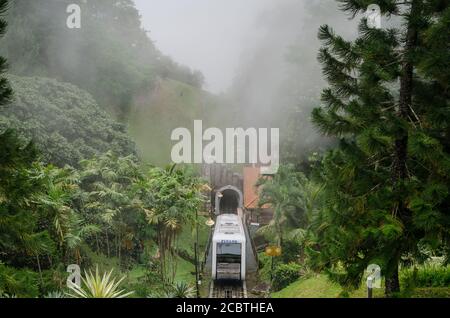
x=228 y=253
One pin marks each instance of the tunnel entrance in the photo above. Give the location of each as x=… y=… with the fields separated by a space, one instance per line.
x=228 y=200
x=229 y=203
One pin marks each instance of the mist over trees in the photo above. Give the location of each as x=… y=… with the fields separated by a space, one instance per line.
x=111 y=56
x=380 y=181
x=72 y=190
x=279 y=79
x=364 y=121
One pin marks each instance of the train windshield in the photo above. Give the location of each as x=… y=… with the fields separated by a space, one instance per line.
x=228 y=252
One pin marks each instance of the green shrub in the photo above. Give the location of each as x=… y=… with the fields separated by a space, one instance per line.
x=55 y=295
x=53 y=280
x=142 y=290
x=285 y=274
x=264 y=266
x=426 y=276
x=97 y=285
x=21 y=283
x=180 y=290
x=291 y=251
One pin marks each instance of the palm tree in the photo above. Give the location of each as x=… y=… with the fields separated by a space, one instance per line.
x=173 y=198
x=111 y=193
x=69 y=229
x=287 y=195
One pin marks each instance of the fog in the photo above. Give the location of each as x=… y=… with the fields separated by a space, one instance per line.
x=208 y=35
x=215 y=36
x=262 y=53
x=259 y=59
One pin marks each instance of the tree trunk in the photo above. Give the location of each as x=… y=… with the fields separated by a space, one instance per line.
x=39 y=268
x=405 y=103
x=96 y=242
x=400 y=170
x=119 y=248
x=392 y=282
x=107 y=243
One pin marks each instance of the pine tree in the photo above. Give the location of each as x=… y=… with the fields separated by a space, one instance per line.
x=5 y=89
x=386 y=185
x=20 y=236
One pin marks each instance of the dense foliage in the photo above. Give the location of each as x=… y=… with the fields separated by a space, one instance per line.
x=51 y=217
x=63 y=121
x=426 y=276
x=285 y=274
x=386 y=185
x=20 y=237
x=110 y=56
x=73 y=191
x=289 y=195
x=174 y=197
x=83 y=195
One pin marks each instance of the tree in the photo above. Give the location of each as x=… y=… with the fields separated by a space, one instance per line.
x=63 y=121
x=287 y=194
x=386 y=185
x=20 y=237
x=5 y=89
x=22 y=242
x=173 y=197
x=67 y=226
x=110 y=199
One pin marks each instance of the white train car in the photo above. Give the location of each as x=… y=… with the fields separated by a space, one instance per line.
x=228 y=248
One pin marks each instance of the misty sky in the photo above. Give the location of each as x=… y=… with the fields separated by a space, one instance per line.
x=209 y=35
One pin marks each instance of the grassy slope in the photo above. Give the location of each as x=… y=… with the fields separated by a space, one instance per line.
x=316 y=287
x=320 y=287
x=170 y=105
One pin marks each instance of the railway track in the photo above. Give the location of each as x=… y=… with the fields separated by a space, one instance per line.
x=228 y=290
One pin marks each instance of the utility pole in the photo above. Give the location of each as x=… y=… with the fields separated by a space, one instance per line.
x=197 y=276
x=197 y=287
x=271 y=270
x=369 y=287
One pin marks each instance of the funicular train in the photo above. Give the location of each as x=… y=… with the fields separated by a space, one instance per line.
x=228 y=249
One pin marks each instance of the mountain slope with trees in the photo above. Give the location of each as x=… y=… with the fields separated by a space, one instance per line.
x=63 y=121
x=110 y=56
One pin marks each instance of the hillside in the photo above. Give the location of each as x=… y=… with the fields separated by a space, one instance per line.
x=111 y=56
x=64 y=121
x=171 y=104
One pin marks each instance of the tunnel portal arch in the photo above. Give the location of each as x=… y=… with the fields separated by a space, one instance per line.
x=228 y=192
